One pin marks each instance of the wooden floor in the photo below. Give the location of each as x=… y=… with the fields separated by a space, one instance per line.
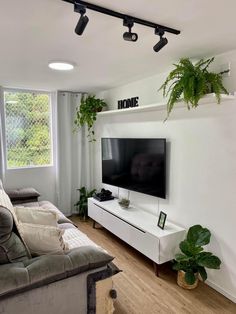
x=141 y=292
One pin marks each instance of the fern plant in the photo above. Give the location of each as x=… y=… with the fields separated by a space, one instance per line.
x=191 y=82
x=86 y=114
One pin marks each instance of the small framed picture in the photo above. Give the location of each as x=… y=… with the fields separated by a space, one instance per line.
x=162 y=220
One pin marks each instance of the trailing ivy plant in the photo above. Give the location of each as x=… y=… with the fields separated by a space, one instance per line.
x=86 y=113
x=193 y=259
x=191 y=82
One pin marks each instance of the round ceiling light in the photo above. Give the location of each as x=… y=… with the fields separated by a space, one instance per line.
x=61 y=66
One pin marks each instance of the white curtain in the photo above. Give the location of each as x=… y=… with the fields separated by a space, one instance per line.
x=2 y=160
x=74 y=154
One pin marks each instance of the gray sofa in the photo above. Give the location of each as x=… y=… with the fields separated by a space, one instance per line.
x=52 y=283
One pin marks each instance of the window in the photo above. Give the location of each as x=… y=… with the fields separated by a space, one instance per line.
x=28 y=129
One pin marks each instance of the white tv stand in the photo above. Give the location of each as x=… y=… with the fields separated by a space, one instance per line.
x=139 y=229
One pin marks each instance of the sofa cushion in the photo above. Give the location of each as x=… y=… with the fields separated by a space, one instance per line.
x=41 y=239
x=21 y=195
x=74 y=238
x=12 y=250
x=39 y=271
x=48 y=205
x=36 y=215
x=6 y=224
x=6 y=203
x=11 y=247
x=66 y=226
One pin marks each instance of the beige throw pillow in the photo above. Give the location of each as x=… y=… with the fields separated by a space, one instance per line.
x=36 y=215
x=42 y=240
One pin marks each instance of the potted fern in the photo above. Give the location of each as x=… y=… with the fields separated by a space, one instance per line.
x=193 y=260
x=190 y=82
x=86 y=113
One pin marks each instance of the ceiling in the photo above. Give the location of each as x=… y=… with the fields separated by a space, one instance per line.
x=34 y=32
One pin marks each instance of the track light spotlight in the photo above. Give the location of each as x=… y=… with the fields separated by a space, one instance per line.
x=128 y=21
x=162 y=42
x=129 y=36
x=80 y=27
x=83 y=21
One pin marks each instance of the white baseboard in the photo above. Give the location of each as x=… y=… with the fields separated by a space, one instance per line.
x=222 y=291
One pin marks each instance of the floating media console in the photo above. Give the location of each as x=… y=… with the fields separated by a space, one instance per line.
x=139 y=229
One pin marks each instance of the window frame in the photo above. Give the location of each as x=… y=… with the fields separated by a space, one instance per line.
x=18 y=90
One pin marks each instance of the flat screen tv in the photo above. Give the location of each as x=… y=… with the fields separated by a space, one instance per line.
x=135 y=164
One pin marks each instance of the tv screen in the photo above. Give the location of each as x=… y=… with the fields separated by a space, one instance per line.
x=135 y=164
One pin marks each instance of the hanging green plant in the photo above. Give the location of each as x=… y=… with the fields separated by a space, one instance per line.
x=86 y=114
x=190 y=83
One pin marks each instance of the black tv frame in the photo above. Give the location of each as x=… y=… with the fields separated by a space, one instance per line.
x=165 y=164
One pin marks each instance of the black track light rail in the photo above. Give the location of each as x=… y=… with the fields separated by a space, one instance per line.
x=122 y=16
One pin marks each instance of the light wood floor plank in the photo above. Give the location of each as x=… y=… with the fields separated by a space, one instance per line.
x=141 y=292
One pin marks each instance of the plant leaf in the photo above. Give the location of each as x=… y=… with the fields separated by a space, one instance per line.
x=209 y=261
x=190 y=277
x=181 y=257
x=189 y=248
x=202 y=273
x=198 y=235
x=178 y=266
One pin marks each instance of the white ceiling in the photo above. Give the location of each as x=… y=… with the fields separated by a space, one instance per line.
x=34 y=32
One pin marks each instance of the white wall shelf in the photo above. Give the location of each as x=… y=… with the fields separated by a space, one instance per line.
x=208 y=99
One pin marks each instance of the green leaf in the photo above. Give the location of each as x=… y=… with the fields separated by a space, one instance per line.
x=198 y=235
x=181 y=257
x=190 y=277
x=209 y=261
x=189 y=248
x=203 y=237
x=177 y=266
x=82 y=190
x=202 y=273
x=204 y=255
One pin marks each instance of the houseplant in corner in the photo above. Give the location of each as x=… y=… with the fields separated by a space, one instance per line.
x=82 y=204
x=193 y=260
x=190 y=82
x=86 y=113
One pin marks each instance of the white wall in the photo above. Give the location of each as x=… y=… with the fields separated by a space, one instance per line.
x=201 y=164
x=42 y=179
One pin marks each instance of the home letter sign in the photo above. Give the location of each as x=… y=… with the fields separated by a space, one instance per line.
x=128 y=103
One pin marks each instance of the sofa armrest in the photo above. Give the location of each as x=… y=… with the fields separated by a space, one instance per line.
x=36 y=272
x=23 y=195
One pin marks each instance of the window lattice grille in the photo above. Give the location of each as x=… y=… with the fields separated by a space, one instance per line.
x=28 y=129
